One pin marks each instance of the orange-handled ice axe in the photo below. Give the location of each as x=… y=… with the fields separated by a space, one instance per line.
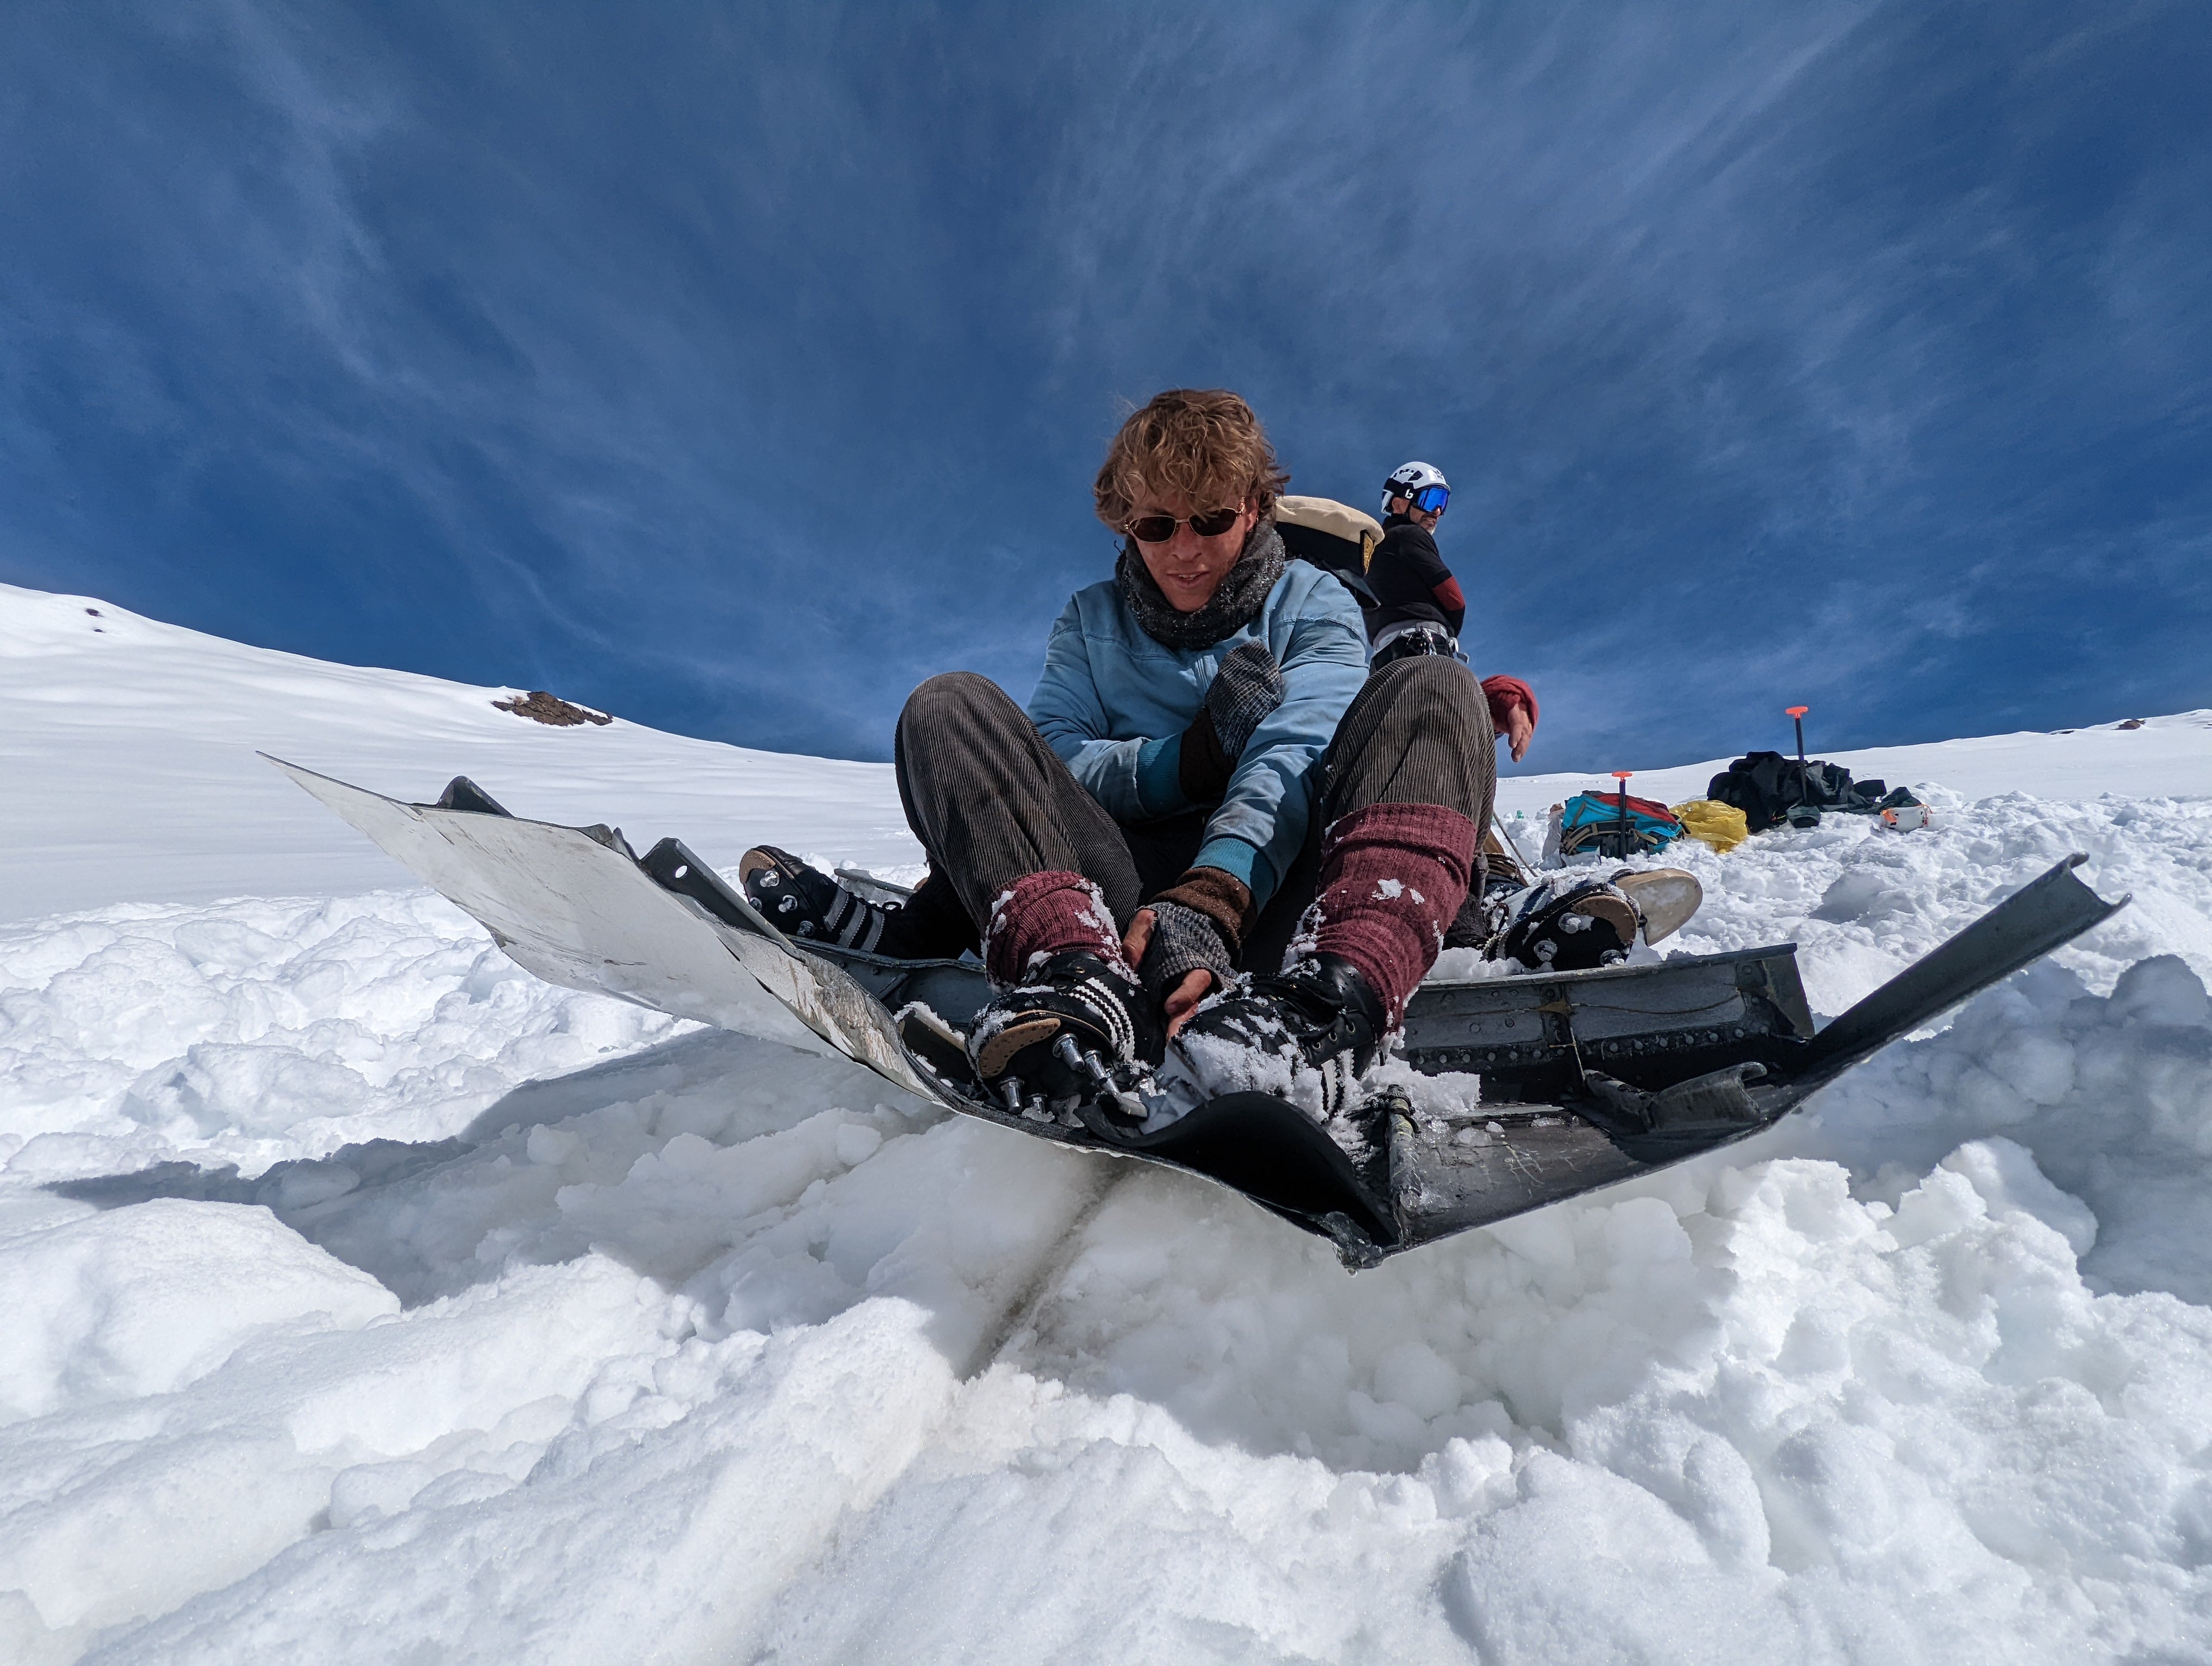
x=1805 y=812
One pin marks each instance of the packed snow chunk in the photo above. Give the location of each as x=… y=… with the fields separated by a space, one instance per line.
x=1586 y=1565
x=368 y=1491
x=552 y=1147
x=2162 y=991
x=26 y=1640
x=1415 y=1376
x=144 y=1300
x=217 y=1088
x=679 y=1204
x=1865 y=894
x=2006 y=1178
x=2110 y=1096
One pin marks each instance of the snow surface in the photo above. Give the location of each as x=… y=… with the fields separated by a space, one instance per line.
x=129 y=772
x=367 y=1299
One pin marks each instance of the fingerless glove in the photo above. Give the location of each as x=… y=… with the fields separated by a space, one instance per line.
x=1200 y=922
x=1183 y=941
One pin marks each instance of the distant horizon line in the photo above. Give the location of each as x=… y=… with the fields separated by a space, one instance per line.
x=1506 y=772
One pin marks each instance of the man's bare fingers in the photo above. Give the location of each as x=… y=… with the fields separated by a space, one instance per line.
x=1519 y=732
x=1184 y=998
x=1138 y=934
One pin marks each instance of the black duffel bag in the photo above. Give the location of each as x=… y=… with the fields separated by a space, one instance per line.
x=1767 y=786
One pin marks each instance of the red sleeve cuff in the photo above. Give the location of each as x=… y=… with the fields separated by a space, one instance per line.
x=1504 y=693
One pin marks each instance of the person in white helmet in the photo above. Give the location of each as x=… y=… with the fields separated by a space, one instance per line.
x=1419 y=606
x=1415 y=593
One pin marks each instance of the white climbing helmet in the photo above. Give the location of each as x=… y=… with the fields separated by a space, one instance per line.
x=1422 y=485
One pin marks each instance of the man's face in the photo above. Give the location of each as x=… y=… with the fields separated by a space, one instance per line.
x=1189 y=569
x=1425 y=519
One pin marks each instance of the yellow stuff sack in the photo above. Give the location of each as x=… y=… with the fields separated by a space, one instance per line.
x=1711 y=821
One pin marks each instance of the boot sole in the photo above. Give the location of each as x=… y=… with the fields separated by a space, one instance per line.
x=1611 y=909
x=1002 y=1048
x=762 y=856
x=1666 y=897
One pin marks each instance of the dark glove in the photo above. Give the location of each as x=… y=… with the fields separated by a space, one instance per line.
x=1249 y=686
x=1199 y=924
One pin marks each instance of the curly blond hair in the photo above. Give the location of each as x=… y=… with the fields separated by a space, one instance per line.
x=1202 y=445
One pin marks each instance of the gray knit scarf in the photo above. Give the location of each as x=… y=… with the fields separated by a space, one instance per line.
x=1244 y=591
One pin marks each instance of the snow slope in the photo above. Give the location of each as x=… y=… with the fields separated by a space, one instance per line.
x=367 y=1299
x=131 y=774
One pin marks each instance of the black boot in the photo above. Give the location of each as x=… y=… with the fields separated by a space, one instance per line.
x=1307 y=1036
x=805 y=903
x=1563 y=926
x=1567 y=927
x=1078 y=1032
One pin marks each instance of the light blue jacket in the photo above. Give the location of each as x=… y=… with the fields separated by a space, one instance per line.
x=1113 y=703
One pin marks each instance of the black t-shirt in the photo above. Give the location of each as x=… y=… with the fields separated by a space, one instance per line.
x=1411 y=582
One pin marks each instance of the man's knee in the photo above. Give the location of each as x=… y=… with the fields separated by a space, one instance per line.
x=960 y=710
x=957 y=729
x=957 y=697
x=1430 y=688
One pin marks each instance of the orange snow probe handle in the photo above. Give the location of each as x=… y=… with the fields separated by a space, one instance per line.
x=1795 y=711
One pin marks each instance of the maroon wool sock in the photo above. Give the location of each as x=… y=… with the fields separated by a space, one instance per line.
x=1393 y=877
x=1045 y=915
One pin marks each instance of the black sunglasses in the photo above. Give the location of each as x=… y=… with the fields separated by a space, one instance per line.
x=1158 y=529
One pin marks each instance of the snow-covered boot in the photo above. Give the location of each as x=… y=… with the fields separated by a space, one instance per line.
x=806 y=902
x=1392 y=876
x=1078 y=1030
x=1307 y=1036
x=1071 y=1026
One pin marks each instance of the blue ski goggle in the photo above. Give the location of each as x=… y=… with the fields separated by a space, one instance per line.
x=1429 y=500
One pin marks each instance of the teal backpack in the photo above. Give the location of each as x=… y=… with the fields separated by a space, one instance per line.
x=1591 y=826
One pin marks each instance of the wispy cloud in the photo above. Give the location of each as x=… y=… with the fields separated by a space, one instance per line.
x=736 y=369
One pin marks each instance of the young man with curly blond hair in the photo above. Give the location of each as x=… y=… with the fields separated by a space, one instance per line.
x=1214 y=847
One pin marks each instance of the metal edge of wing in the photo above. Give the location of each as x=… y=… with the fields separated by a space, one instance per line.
x=2047 y=913
x=333 y=793
x=347 y=801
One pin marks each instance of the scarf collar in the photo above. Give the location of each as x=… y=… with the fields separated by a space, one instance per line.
x=1244 y=591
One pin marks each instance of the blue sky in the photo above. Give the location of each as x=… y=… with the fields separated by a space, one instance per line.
x=734 y=369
